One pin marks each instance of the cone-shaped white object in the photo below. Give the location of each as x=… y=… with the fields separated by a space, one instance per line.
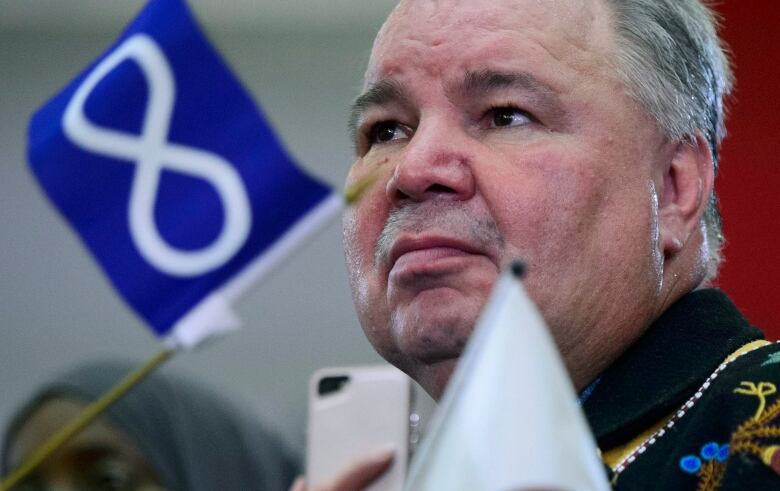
x=509 y=419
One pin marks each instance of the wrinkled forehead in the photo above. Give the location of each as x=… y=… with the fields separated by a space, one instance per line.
x=436 y=22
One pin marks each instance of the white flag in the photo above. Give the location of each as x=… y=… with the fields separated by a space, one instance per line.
x=509 y=419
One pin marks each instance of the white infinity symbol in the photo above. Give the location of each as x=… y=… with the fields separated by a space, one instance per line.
x=151 y=152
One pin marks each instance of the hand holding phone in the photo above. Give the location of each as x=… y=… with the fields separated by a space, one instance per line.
x=358 y=476
x=356 y=413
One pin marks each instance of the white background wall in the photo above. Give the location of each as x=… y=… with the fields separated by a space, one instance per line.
x=304 y=66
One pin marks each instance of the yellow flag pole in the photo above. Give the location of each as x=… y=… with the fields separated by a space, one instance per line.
x=87 y=416
x=353 y=192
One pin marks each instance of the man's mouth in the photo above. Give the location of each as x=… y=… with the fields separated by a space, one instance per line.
x=427 y=253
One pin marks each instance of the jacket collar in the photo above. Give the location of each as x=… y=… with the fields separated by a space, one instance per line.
x=666 y=365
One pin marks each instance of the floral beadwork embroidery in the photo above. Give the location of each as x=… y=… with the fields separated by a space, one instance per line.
x=621 y=466
x=751 y=436
x=709 y=465
x=761 y=390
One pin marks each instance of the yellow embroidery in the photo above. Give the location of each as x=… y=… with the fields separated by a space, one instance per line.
x=743 y=440
x=711 y=475
x=752 y=435
x=761 y=390
x=769 y=453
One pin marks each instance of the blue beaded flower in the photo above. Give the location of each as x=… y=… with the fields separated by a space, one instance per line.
x=690 y=464
x=723 y=453
x=710 y=451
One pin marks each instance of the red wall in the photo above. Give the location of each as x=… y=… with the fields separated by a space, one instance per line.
x=749 y=178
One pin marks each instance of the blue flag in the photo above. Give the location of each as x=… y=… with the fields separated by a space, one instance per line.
x=161 y=162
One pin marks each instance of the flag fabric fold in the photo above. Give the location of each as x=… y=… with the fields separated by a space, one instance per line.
x=172 y=177
x=509 y=418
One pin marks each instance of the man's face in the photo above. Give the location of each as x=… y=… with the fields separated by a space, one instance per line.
x=502 y=132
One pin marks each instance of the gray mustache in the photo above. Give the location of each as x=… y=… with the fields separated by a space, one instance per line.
x=452 y=218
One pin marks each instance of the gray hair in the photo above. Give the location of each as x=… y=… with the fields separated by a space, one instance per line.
x=675 y=65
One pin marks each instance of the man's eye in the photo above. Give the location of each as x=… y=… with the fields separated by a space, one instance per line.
x=386 y=131
x=504 y=117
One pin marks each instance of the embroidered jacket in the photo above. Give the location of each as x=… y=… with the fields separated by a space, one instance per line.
x=693 y=405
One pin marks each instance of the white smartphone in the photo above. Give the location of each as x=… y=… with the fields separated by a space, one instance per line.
x=354 y=411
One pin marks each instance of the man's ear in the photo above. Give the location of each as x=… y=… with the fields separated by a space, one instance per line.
x=687 y=186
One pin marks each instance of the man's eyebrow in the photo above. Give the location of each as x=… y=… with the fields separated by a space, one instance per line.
x=489 y=80
x=379 y=93
x=544 y=98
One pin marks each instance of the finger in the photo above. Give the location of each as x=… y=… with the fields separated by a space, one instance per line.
x=298 y=485
x=364 y=472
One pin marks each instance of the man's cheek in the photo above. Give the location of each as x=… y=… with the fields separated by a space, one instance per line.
x=557 y=198
x=354 y=243
x=362 y=225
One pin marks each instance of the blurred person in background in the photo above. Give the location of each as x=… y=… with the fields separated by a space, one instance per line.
x=166 y=434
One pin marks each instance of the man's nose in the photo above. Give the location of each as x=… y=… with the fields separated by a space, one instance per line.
x=436 y=163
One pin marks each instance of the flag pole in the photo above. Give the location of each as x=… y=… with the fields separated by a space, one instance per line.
x=354 y=191
x=87 y=416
